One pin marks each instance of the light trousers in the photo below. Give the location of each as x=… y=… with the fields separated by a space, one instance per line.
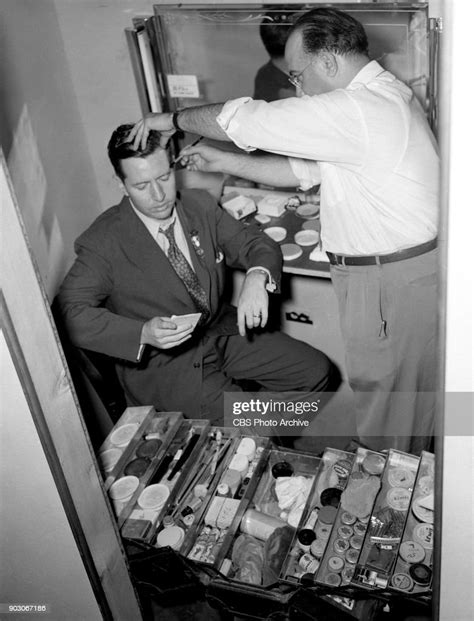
x=388 y=316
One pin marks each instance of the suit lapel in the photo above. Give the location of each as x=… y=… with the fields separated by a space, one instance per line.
x=143 y=251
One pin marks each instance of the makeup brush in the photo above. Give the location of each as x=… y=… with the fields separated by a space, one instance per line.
x=181 y=155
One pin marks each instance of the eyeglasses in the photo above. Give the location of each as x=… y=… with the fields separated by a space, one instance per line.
x=295 y=78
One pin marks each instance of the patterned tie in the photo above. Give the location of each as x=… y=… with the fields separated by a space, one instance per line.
x=187 y=274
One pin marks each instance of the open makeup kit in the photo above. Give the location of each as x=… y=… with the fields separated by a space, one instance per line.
x=269 y=529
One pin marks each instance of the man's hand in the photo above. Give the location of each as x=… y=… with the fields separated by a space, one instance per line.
x=204 y=158
x=252 y=310
x=162 y=333
x=161 y=122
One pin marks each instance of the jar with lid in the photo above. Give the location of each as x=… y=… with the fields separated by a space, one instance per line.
x=259 y=525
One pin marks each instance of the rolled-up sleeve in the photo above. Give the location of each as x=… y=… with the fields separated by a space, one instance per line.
x=230 y=124
x=307 y=172
x=324 y=128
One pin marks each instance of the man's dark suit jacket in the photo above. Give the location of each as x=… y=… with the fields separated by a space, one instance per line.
x=121 y=279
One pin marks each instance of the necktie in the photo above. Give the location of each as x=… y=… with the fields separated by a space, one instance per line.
x=187 y=274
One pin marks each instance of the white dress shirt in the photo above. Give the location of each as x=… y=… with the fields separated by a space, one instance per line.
x=156 y=228
x=370 y=147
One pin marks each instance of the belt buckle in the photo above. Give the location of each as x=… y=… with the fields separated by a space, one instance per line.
x=341 y=260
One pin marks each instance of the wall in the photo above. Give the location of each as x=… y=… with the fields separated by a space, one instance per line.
x=42 y=134
x=65 y=82
x=457 y=442
x=102 y=76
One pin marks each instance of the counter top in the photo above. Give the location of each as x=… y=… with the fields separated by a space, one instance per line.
x=293 y=223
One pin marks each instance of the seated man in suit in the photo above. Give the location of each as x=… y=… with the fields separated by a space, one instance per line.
x=159 y=254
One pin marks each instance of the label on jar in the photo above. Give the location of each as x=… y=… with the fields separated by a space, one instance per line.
x=305 y=561
x=423 y=533
x=400 y=477
x=399 y=498
x=412 y=552
x=402 y=581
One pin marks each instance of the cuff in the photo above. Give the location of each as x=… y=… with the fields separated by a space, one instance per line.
x=140 y=351
x=229 y=124
x=271 y=284
x=307 y=172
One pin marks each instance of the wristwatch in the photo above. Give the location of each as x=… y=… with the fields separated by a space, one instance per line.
x=174 y=120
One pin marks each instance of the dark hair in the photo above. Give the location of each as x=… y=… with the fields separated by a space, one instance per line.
x=119 y=149
x=274 y=31
x=332 y=31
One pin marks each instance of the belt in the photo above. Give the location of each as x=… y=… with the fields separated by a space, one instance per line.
x=407 y=253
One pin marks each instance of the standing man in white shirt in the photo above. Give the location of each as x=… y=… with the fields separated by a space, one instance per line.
x=359 y=132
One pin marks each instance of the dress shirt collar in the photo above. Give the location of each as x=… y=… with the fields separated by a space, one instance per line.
x=368 y=72
x=153 y=225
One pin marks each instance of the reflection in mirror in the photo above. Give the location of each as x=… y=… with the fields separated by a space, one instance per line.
x=271 y=79
x=224 y=50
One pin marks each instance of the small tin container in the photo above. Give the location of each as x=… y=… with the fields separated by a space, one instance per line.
x=356 y=542
x=341 y=545
x=359 y=528
x=333 y=579
x=348 y=518
x=335 y=563
x=345 y=531
x=327 y=514
x=352 y=555
x=317 y=547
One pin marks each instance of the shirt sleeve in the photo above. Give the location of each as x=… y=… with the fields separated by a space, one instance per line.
x=326 y=128
x=227 y=121
x=141 y=349
x=307 y=172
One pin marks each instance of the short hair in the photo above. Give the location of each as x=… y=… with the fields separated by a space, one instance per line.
x=331 y=30
x=274 y=32
x=120 y=149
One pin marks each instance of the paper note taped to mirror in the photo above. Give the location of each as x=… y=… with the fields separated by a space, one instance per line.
x=183 y=86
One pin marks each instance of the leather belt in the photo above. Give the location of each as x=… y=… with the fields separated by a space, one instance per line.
x=401 y=255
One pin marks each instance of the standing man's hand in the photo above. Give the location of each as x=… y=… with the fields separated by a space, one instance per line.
x=252 y=309
x=160 y=122
x=204 y=158
x=162 y=333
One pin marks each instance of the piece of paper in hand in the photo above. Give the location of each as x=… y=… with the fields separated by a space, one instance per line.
x=190 y=319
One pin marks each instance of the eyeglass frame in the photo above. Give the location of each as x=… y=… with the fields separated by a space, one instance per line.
x=295 y=79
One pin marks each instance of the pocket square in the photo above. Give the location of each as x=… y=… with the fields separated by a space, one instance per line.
x=219 y=257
